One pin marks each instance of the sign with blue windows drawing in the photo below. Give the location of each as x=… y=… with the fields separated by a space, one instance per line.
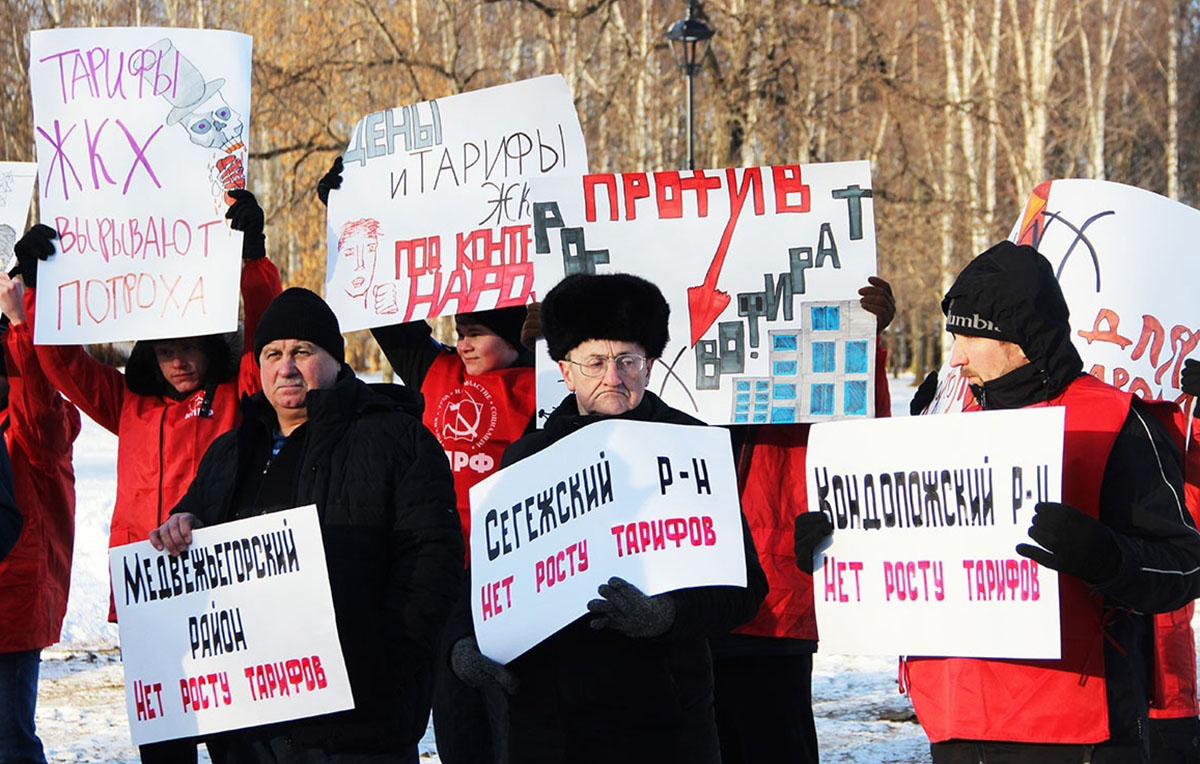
x=761 y=267
x=820 y=370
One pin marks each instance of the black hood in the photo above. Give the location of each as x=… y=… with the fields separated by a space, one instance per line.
x=143 y=377
x=1014 y=287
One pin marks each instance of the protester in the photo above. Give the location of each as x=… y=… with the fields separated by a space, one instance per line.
x=393 y=546
x=39 y=429
x=1121 y=538
x=479 y=399
x=632 y=681
x=763 y=669
x=175 y=397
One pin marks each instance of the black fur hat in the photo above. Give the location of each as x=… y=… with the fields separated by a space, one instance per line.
x=614 y=306
x=143 y=376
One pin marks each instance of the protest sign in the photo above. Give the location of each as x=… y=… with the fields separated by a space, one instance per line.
x=1123 y=257
x=235 y=632
x=655 y=504
x=433 y=216
x=1119 y=252
x=139 y=134
x=927 y=512
x=16 y=191
x=761 y=267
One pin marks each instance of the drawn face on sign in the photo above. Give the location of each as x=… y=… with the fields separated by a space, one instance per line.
x=982 y=359
x=615 y=390
x=358 y=245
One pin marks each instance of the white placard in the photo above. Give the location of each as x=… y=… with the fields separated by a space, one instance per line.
x=235 y=632
x=1124 y=260
x=761 y=267
x=139 y=133
x=927 y=512
x=655 y=504
x=16 y=191
x=433 y=216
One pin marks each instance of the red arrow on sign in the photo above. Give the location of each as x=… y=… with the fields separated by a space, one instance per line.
x=705 y=301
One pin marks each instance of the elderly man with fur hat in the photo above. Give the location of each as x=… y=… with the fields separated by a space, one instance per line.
x=1121 y=539
x=632 y=681
x=393 y=546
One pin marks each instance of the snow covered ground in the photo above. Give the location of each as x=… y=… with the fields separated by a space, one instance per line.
x=861 y=718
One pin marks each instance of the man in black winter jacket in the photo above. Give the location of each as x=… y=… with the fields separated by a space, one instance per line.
x=1121 y=538
x=631 y=682
x=393 y=545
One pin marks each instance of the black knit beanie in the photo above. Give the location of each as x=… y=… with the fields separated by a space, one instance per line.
x=505 y=322
x=300 y=314
x=613 y=306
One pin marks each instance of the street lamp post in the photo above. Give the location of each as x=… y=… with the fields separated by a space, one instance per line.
x=689 y=44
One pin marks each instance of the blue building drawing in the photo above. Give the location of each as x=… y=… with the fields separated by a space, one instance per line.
x=818 y=371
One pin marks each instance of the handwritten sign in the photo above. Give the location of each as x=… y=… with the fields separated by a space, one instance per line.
x=139 y=134
x=433 y=216
x=16 y=190
x=236 y=631
x=761 y=267
x=655 y=504
x=927 y=512
x=1123 y=257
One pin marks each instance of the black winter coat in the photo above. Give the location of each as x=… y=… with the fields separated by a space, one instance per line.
x=591 y=695
x=393 y=546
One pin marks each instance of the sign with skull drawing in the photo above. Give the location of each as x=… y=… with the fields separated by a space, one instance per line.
x=140 y=132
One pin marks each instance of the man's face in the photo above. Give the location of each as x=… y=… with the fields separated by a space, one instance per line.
x=359 y=252
x=290 y=368
x=982 y=359
x=481 y=349
x=612 y=392
x=183 y=363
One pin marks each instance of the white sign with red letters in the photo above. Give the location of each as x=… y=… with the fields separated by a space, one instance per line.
x=433 y=217
x=236 y=631
x=140 y=132
x=927 y=512
x=654 y=504
x=761 y=267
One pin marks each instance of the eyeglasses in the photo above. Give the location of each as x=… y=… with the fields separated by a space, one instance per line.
x=628 y=364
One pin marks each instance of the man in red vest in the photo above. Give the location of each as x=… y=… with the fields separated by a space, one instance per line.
x=1122 y=539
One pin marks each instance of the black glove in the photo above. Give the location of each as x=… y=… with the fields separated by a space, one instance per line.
x=36 y=244
x=1072 y=543
x=246 y=216
x=1189 y=380
x=630 y=612
x=811 y=529
x=330 y=181
x=924 y=394
x=477 y=670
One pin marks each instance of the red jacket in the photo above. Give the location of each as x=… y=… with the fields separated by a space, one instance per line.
x=474 y=419
x=39 y=428
x=771 y=475
x=160 y=440
x=1063 y=701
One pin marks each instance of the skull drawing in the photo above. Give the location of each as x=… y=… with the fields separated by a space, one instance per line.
x=214 y=125
x=196 y=104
